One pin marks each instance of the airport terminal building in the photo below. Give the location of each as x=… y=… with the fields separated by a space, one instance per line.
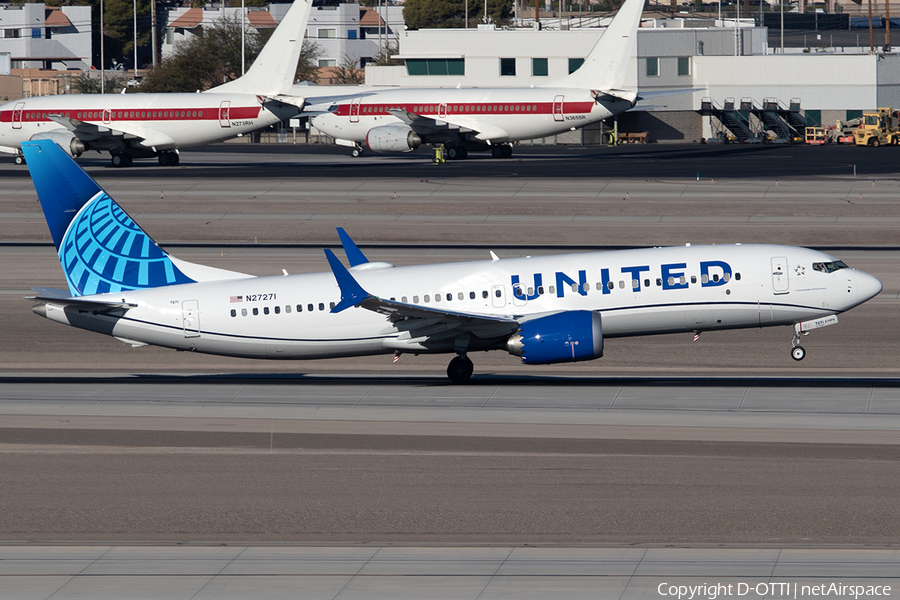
x=719 y=63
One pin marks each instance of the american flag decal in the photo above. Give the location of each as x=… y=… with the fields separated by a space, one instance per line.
x=237 y=298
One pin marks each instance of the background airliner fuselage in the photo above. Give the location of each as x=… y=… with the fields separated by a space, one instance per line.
x=491 y=116
x=463 y=119
x=146 y=125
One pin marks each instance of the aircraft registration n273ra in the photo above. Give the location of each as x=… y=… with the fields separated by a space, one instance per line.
x=548 y=309
x=139 y=125
x=479 y=119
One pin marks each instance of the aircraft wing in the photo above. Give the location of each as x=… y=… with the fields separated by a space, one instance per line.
x=429 y=127
x=418 y=320
x=92 y=132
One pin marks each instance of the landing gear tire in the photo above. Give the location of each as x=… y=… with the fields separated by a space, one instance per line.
x=120 y=160
x=456 y=152
x=356 y=152
x=168 y=159
x=501 y=151
x=460 y=369
x=20 y=160
x=798 y=353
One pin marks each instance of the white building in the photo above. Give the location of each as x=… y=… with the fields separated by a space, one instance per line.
x=341 y=30
x=38 y=37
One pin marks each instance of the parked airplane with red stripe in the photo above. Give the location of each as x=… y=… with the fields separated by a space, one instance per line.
x=133 y=126
x=472 y=119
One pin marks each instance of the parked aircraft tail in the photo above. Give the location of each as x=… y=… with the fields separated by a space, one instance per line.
x=606 y=67
x=100 y=247
x=273 y=71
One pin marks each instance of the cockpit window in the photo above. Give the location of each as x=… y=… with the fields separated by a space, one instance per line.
x=829 y=267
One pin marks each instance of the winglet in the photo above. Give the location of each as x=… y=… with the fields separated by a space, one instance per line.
x=352 y=293
x=354 y=254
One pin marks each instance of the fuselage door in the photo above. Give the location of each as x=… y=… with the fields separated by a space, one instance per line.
x=107 y=115
x=442 y=110
x=498 y=296
x=190 y=318
x=558 y=114
x=780 y=282
x=518 y=291
x=17 y=115
x=225 y=113
x=354 y=110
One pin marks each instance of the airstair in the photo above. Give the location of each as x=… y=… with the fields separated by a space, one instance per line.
x=735 y=122
x=787 y=123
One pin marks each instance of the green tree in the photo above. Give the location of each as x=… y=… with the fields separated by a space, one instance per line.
x=308 y=65
x=429 y=14
x=214 y=56
x=348 y=72
x=118 y=17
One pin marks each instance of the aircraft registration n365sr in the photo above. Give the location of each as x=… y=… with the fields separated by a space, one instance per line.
x=544 y=309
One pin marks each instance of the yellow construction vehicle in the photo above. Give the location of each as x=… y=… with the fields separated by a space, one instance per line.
x=878 y=128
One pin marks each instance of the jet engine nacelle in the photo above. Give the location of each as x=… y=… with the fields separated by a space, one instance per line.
x=65 y=140
x=392 y=138
x=564 y=337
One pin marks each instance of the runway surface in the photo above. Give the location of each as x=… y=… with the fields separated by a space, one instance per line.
x=401 y=573
x=369 y=460
x=724 y=441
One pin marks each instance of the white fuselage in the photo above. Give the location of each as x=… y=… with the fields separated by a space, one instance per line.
x=494 y=115
x=151 y=121
x=636 y=292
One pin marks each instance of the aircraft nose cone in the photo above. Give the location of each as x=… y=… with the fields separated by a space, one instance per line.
x=867 y=286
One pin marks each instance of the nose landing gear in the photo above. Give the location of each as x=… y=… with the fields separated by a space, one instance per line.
x=460 y=369
x=798 y=352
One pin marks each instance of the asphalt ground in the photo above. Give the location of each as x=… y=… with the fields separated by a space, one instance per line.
x=88 y=484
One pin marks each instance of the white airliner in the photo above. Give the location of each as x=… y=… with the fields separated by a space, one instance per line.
x=544 y=309
x=155 y=125
x=473 y=119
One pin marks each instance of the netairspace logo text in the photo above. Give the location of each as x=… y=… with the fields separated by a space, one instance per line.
x=772 y=590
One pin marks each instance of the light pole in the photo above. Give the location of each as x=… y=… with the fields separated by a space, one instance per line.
x=135 y=40
x=102 y=56
x=243 y=52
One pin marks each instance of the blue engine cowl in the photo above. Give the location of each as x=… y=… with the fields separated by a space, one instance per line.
x=564 y=337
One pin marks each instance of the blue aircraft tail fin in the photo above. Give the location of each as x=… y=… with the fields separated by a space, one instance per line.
x=100 y=248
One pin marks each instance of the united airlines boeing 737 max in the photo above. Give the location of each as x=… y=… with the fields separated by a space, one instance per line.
x=544 y=309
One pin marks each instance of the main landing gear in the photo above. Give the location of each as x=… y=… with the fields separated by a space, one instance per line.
x=169 y=159
x=460 y=369
x=120 y=159
x=501 y=151
x=454 y=152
